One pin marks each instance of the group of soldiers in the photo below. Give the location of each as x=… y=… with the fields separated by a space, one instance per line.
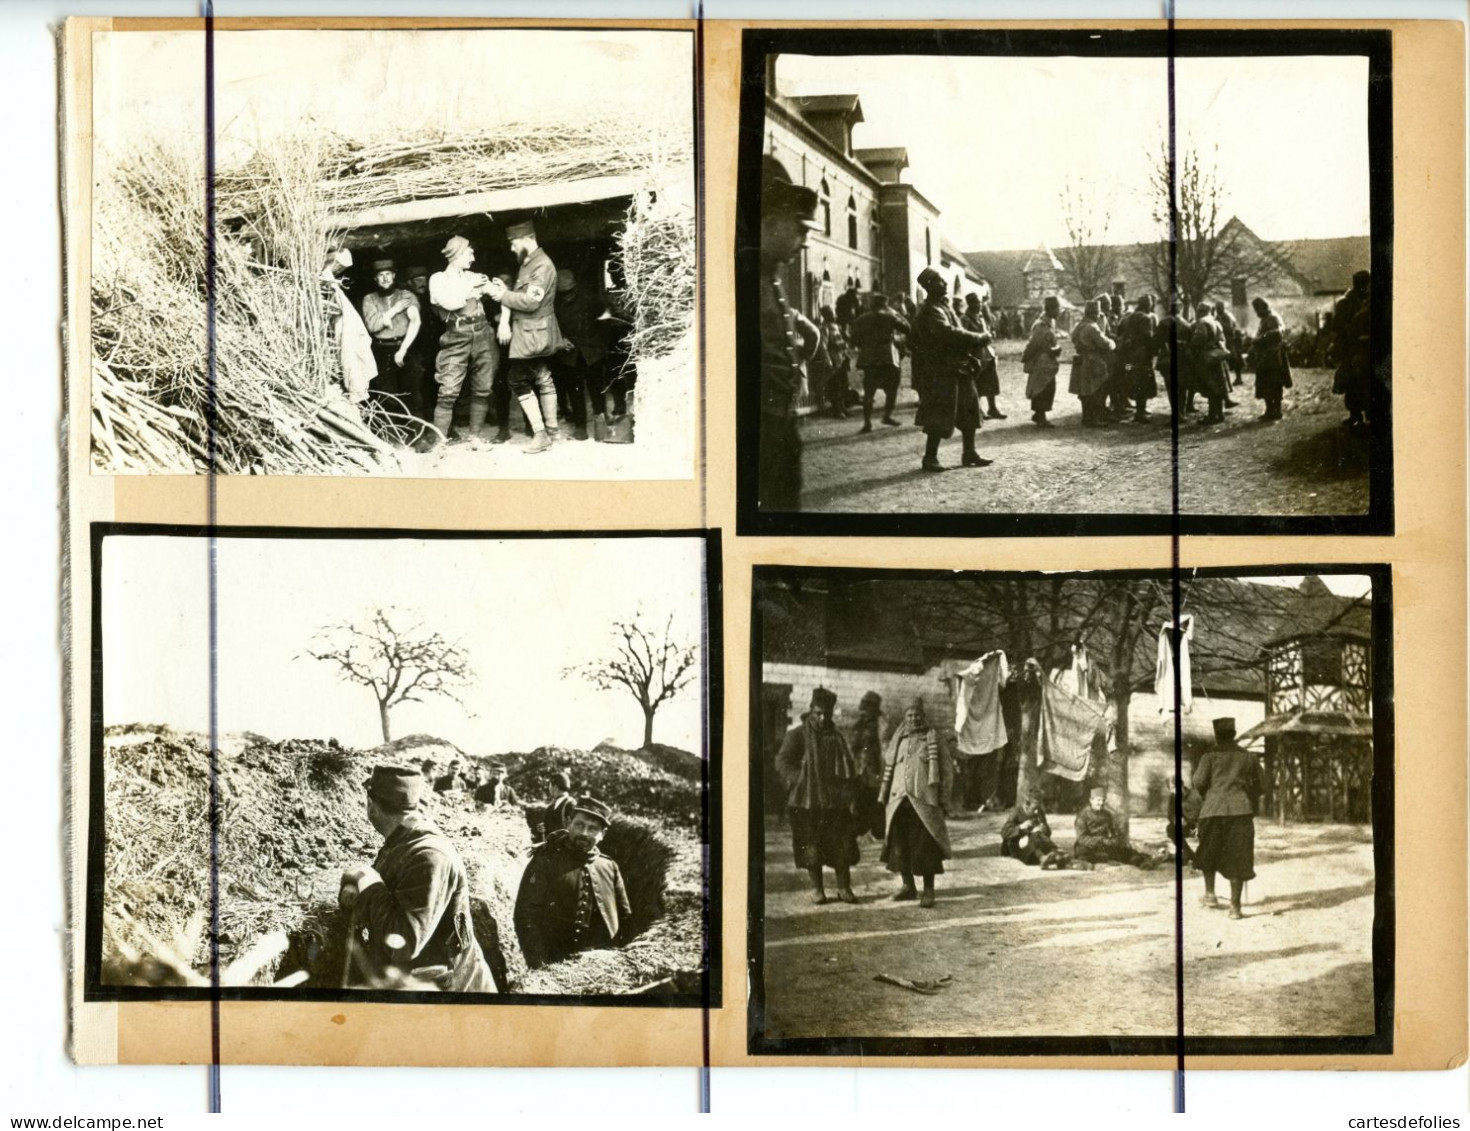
x=411 y=921
x=1120 y=358
x=900 y=792
x=542 y=336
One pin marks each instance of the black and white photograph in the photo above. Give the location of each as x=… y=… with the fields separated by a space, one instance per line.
x=421 y=253
x=1050 y=282
x=980 y=799
x=403 y=767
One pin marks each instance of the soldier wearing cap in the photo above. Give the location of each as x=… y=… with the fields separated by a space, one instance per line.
x=392 y=317
x=1352 y=330
x=466 y=343
x=788 y=213
x=571 y=896
x=1100 y=838
x=411 y=908
x=1227 y=781
x=534 y=336
x=943 y=374
x=496 y=790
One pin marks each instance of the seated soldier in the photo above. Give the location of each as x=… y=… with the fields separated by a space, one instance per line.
x=1026 y=835
x=571 y=896
x=1100 y=840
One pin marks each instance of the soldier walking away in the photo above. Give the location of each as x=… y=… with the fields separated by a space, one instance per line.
x=535 y=336
x=1228 y=783
x=411 y=908
x=466 y=344
x=944 y=375
x=571 y=896
x=876 y=336
x=788 y=213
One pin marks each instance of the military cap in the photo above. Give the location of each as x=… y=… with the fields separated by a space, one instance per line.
x=1052 y=304
x=398 y=788
x=1098 y=791
x=566 y=279
x=1224 y=729
x=594 y=808
x=930 y=279
x=382 y=265
x=455 y=245
x=780 y=193
x=824 y=700
x=562 y=778
x=870 y=699
x=520 y=230
x=416 y=272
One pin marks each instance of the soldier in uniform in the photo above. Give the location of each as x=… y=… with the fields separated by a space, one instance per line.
x=535 y=336
x=466 y=344
x=1099 y=839
x=577 y=369
x=411 y=908
x=496 y=790
x=392 y=317
x=571 y=897
x=1352 y=330
x=943 y=375
x=876 y=335
x=451 y=781
x=1136 y=354
x=424 y=350
x=788 y=213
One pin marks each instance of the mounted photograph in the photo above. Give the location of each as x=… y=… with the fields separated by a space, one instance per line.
x=421 y=253
x=1064 y=282
x=401 y=768
x=979 y=801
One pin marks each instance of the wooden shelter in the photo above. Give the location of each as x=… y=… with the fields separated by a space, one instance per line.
x=1318 y=730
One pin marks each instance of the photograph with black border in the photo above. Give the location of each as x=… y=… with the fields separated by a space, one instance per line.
x=468 y=767
x=1107 y=282
x=1112 y=813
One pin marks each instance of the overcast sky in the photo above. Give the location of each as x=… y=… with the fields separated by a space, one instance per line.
x=993 y=140
x=523 y=609
x=360 y=83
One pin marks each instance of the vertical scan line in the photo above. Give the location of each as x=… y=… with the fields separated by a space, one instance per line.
x=1175 y=591
x=211 y=504
x=705 y=824
x=702 y=398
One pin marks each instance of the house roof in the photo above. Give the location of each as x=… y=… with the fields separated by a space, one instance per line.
x=1335 y=724
x=884 y=155
x=1329 y=264
x=815 y=104
x=949 y=250
x=1318 y=266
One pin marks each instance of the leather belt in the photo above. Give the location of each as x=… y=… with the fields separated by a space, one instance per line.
x=470 y=320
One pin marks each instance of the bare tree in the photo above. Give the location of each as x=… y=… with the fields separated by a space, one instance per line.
x=653 y=665
x=392 y=654
x=1200 y=253
x=1089 y=262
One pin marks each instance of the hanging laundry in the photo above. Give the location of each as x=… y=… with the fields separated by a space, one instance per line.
x=1164 y=669
x=1070 y=728
x=978 y=721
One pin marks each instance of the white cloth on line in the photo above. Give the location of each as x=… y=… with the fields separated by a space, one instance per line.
x=978 y=723
x=1164 y=668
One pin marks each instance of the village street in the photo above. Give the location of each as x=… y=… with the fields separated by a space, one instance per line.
x=1035 y=953
x=1303 y=465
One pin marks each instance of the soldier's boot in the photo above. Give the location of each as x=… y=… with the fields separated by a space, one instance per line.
x=548 y=413
x=443 y=419
x=540 y=441
x=479 y=410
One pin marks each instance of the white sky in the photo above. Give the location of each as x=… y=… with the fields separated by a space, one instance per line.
x=1343 y=584
x=361 y=83
x=993 y=140
x=522 y=608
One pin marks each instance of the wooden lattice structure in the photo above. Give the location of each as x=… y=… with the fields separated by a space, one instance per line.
x=1318 y=730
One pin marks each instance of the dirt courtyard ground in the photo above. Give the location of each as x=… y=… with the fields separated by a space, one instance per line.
x=1304 y=465
x=1041 y=954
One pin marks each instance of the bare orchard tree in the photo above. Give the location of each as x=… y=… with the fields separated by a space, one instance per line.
x=392 y=654
x=1089 y=262
x=651 y=664
x=1211 y=253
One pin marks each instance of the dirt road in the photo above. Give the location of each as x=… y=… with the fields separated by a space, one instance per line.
x=1306 y=464
x=1076 y=953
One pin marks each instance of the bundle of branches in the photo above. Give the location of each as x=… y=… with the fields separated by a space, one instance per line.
x=364 y=174
x=266 y=407
x=644 y=858
x=656 y=253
